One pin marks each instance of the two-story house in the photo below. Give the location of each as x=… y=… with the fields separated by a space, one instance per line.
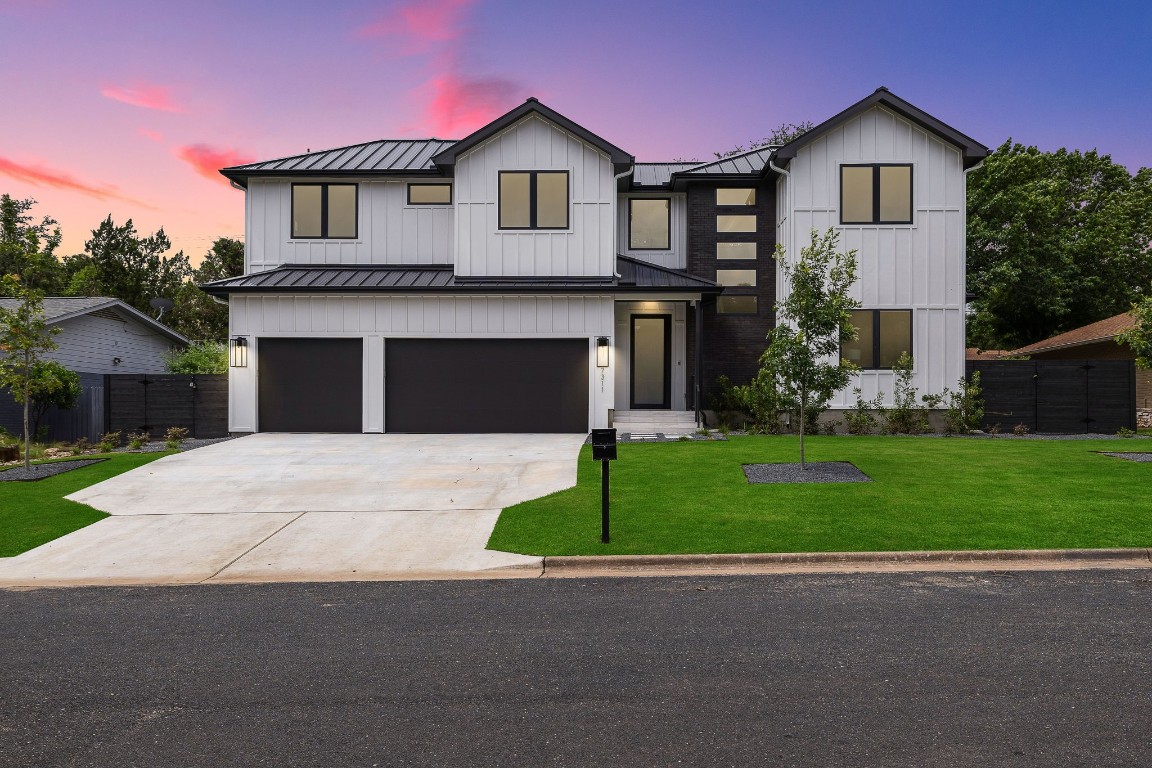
x=533 y=277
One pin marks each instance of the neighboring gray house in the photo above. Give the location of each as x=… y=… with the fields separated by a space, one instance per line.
x=98 y=335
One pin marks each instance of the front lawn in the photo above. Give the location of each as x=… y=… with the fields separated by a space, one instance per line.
x=32 y=513
x=926 y=494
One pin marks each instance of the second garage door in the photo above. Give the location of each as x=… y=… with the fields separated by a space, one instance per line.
x=486 y=385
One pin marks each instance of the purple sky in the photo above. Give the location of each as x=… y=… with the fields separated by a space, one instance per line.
x=129 y=107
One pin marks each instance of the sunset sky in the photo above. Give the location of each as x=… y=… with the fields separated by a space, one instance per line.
x=129 y=108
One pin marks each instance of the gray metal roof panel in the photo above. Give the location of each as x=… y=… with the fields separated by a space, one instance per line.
x=635 y=275
x=657 y=174
x=751 y=162
x=391 y=156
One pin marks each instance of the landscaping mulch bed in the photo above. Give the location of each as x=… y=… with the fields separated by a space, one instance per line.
x=41 y=471
x=1129 y=456
x=816 y=472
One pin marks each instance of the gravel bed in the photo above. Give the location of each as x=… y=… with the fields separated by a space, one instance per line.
x=816 y=472
x=159 y=445
x=41 y=471
x=1129 y=456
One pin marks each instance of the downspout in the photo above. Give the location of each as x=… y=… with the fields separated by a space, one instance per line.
x=616 y=223
x=964 y=251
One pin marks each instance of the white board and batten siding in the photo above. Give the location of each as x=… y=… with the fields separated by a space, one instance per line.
x=535 y=144
x=376 y=318
x=918 y=266
x=676 y=257
x=389 y=231
x=90 y=344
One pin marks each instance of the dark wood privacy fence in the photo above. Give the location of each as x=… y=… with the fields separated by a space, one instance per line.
x=1058 y=396
x=152 y=403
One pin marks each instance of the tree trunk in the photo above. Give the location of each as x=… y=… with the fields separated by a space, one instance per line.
x=27 y=434
x=803 y=410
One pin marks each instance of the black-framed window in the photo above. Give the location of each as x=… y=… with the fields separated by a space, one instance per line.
x=324 y=211
x=429 y=194
x=649 y=223
x=735 y=250
x=534 y=200
x=736 y=196
x=877 y=193
x=735 y=222
x=883 y=335
x=738 y=304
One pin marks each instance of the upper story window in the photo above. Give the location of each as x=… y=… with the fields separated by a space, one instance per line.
x=727 y=223
x=324 y=211
x=429 y=194
x=533 y=199
x=649 y=223
x=883 y=335
x=876 y=194
x=736 y=196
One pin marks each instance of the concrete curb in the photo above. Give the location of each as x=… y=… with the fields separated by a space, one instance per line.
x=624 y=564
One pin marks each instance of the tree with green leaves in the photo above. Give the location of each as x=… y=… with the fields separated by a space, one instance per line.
x=813 y=320
x=1139 y=336
x=196 y=314
x=24 y=337
x=120 y=263
x=28 y=248
x=53 y=386
x=199 y=357
x=1056 y=240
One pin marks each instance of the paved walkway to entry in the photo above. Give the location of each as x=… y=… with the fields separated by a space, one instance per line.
x=280 y=507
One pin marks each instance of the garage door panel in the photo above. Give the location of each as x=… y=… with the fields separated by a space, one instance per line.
x=486 y=385
x=310 y=385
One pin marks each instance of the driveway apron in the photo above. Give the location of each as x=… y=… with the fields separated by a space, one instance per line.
x=307 y=507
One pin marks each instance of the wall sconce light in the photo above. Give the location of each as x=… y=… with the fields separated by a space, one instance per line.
x=602 y=352
x=238 y=352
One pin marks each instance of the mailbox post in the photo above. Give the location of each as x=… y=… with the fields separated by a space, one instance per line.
x=604 y=451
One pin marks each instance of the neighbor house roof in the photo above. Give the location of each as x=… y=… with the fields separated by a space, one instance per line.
x=635 y=276
x=384 y=157
x=446 y=159
x=57 y=309
x=973 y=150
x=972 y=353
x=1093 y=333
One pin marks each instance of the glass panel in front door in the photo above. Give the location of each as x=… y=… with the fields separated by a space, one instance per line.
x=649 y=362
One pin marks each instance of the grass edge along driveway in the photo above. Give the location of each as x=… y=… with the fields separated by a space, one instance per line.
x=926 y=494
x=35 y=512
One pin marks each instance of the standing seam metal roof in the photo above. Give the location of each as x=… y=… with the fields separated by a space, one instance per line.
x=382 y=156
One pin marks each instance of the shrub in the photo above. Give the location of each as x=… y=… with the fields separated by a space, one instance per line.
x=174 y=436
x=136 y=440
x=907 y=416
x=200 y=357
x=861 y=418
x=110 y=441
x=965 y=406
x=80 y=446
x=1020 y=429
x=1125 y=432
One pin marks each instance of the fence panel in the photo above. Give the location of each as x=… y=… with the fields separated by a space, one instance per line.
x=153 y=403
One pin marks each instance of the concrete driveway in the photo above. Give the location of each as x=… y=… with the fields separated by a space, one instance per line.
x=288 y=507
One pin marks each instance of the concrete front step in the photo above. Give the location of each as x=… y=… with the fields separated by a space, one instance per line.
x=655 y=422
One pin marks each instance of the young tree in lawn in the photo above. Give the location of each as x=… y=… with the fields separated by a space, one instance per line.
x=24 y=337
x=814 y=319
x=53 y=386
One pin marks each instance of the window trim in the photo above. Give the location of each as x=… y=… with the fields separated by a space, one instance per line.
x=876 y=337
x=749 y=295
x=324 y=185
x=667 y=229
x=876 y=220
x=533 y=201
x=451 y=193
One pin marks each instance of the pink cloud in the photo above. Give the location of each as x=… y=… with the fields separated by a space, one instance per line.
x=151 y=135
x=419 y=23
x=459 y=105
x=207 y=161
x=143 y=95
x=40 y=176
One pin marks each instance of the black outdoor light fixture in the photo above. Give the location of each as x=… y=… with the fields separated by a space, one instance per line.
x=238 y=352
x=604 y=451
x=602 y=352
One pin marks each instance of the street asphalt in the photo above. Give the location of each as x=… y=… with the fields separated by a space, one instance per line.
x=897 y=669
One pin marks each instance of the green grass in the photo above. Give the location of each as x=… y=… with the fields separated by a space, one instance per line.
x=927 y=494
x=32 y=513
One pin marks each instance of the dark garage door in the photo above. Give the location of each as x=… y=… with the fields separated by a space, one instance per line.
x=486 y=385
x=310 y=385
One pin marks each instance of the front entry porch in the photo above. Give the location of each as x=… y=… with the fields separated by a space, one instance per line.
x=653 y=372
x=653 y=422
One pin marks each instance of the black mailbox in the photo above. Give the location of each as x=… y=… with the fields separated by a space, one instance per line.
x=603 y=445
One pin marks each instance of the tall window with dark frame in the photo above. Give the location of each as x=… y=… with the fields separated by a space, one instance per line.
x=883 y=335
x=879 y=193
x=649 y=223
x=533 y=200
x=324 y=211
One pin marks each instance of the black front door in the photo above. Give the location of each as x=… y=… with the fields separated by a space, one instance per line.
x=651 y=380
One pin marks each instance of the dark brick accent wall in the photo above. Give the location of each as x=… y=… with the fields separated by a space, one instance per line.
x=732 y=343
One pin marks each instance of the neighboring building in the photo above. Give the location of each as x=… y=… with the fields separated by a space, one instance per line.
x=1097 y=341
x=98 y=335
x=534 y=277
